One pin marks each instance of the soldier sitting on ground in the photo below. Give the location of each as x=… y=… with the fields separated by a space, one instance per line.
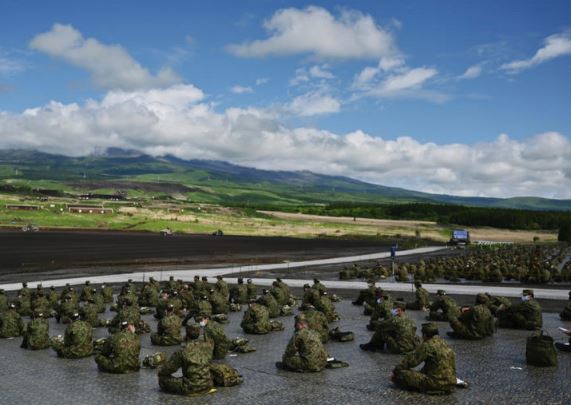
x=213 y=332
x=397 y=333
x=325 y=305
x=194 y=360
x=106 y=292
x=11 y=324
x=422 y=298
x=443 y=308
x=268 y=300
x=367 y=295
x=304 y=352
x=66 y=308
x=566 y=313
x=526 y=315
x=474 y=323
x=88 y=313
x=239 y=293
x=120 y=352
x=37 y=333
x=319 y=286
x=438 y=375
x=222 y=287
x=382 y=309
x=257 y=321
x=496 y=303
x=218 y=302
x=77 y=341
x=251 y=289
x=168 y=329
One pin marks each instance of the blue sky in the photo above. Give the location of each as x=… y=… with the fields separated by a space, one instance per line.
x=402 y=93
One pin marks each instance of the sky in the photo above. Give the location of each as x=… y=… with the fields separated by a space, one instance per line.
x=457 y=97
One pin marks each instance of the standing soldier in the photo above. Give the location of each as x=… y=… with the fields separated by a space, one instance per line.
x=77 y=341
x=438 y=376
x=36 y=333
x=11 y=324
x=120 y=352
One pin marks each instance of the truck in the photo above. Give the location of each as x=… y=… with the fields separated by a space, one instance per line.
x=460 y=238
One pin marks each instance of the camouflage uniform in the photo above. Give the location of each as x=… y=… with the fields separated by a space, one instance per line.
x=268 y=300
x=36 y=334
x=66 y=309
x=494 y=303
x=367 y=295
x=168 y=331
x=526 y=315
x=398 y=333
x=41 y=304
x=422 y=299
x=129 y=314
x=11 y=324
x=214 y=333
x=318 y=285
x=251 y=290
x=476 y=323
x=239 y=294
x=88 y=313
x=448 y=307
x=310 y=296
x=24 y=305
x=305 y=352
x=438 y=374
x=77 y=341
x=256 y=320
x=120 y=353
x=317 y=321
x=107 y=293
x=194 y=360
x=222 y=287
x=3 y=301
x=219 y=303
x=279 y=294
x=149 y=296
x=325 y=305
x=381 y=310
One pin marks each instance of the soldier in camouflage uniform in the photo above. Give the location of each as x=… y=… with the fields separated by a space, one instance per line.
x=24 y=302
x=88 y=313
x=130 y=313
x=11 y=324
x=304 y=352
x=474 y=323
x=367 y=295
x=77 y=341
x=218 y=302
x=325 y=305
x=168 y=330
x=497 y=302
x=120 y=352
x=443 y=308
x=37 y=333
x=194 y=360
x=53 y=297
x=310 y=296
x=149 y=296
x=239 y=293
x=397 y=333
x=268 y=300
x=279 y=294
x=381 y=310
x=251 y=290
x=438 y=376
x=318 y=285
x=106 y=292
x=221 y=286
x=86 y=291
x=256 y=320
x=526 y=315
x=317 y=321
x=66 y=308
x=422 y=301
x=214 y=332
x=566 y=313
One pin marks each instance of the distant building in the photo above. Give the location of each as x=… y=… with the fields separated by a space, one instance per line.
x=22 y=207
x=86 y=209
x=111 y=197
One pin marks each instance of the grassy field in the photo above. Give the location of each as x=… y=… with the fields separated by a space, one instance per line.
x=207 y=218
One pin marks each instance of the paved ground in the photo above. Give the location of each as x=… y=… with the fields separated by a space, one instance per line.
x=494 y=367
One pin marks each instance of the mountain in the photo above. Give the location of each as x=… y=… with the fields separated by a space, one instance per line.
x=137 y=174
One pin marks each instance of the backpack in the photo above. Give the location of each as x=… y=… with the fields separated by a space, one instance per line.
x=225 y=375
x=540 y=351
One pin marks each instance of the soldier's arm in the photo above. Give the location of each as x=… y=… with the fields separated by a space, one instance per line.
x=413 y=359
x=171 y=365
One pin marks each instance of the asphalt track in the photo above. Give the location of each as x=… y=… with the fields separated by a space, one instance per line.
x=46 y=250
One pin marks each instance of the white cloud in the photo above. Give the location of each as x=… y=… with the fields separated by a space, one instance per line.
x=320 y=72
x=181 y=122
x=471 y=73
x=315 y=31
x=10 y=65
x=110 y=66
x=404 y=83
x=313 y=103
x=262 y=80
x=555 y=46
x=237 y=89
